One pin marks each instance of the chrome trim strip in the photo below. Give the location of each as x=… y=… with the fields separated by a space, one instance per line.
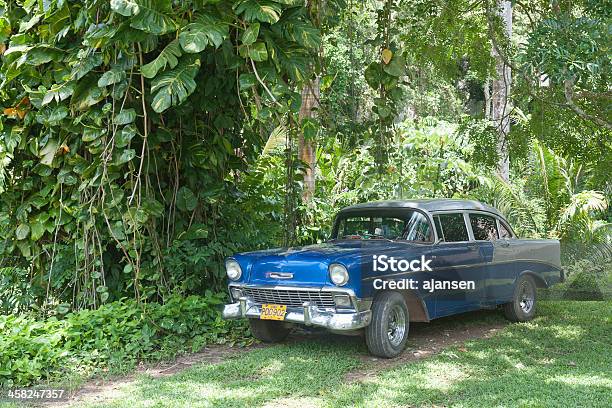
x=476 y=265
x=280 y=275
x=498 y=217
x=280 y=287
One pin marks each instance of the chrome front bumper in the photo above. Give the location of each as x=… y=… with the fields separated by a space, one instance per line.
x=307 y=314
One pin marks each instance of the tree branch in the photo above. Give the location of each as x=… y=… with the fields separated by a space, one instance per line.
x=568 y=87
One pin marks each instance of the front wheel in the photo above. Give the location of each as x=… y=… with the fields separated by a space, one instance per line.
x=269 y=331
x=386 y=336
x=523 y=305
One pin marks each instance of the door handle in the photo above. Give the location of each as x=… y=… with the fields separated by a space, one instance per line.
x=504 y=243
x=472 y=247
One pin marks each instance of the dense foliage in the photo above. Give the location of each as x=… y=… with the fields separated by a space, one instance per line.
x=114 y=336
x=126 y=127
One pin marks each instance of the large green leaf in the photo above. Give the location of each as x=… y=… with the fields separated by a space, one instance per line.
x=125 y=7
x=5 y=29
x=304 y=34
x=246 y=81
x=289 y=58
x=258 y=52
x=37 y=229
x=186 y=199
x=124 y=117
x=259 y=10
x=152 y=18
x=57 y=114
x=22 y=231
x=58 y=92
x=373 y=74
x=168 y=57
x=125 y=156
x=92 y=133
x=397 y=65
x=38 y=55
x=111 y=77
x=173 y=87
x=203 y=31
x=123 y=137
x=86 y=94
x=84 y=65
x=27 y=25
x=47 y=153
x=250 y=34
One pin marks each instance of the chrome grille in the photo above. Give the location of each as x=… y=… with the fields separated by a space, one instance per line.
x=289 y=297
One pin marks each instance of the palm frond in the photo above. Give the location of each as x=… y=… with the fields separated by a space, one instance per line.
x=277 y=137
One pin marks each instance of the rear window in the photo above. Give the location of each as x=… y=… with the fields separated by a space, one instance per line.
x=484 y=227
x=451 y=227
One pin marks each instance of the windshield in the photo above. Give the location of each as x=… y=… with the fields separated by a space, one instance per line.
x=407 y=225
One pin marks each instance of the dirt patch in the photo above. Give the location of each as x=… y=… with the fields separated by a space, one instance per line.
x=105 y=389
x=424 y=341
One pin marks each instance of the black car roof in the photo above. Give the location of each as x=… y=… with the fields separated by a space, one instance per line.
x=429 y=205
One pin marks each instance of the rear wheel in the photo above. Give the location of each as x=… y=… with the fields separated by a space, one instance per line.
x=269 y=331
x=523 y=305
x=386 y=336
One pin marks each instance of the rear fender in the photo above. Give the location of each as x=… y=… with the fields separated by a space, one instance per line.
x=539 y=280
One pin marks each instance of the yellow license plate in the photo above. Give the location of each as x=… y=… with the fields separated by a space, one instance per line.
x=273 y=312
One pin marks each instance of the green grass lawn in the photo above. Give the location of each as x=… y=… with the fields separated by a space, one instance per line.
x=562 y=358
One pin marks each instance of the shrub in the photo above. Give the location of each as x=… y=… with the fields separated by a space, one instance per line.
x=118 y=333
x=585 y=280
x=588 y=280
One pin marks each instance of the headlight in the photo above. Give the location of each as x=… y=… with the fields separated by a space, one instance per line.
x=338 y=274
x=233 y=269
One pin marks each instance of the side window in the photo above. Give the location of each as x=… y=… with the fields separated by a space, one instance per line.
x=504 y=232
x=484 y=227
x=451 y=227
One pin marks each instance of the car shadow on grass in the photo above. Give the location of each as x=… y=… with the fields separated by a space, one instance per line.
x=312 y=364
x=562 y=358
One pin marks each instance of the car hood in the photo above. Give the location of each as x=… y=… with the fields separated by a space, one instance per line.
x=307 y=265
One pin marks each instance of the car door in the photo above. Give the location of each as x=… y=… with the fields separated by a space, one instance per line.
x=502 y=271
x=456 y=258
x=485 y=233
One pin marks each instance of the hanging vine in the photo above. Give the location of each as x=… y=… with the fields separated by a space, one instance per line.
x=384 y=75
x=123 y=124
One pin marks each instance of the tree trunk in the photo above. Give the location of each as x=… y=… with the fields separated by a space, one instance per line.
x=307 y=147
x=487 y=100
x=501 y=108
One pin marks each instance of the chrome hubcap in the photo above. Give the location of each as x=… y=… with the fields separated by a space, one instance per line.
x=396 y=325
x=527 y=297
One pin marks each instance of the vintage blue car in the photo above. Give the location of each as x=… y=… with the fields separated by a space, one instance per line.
x=389 y=263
